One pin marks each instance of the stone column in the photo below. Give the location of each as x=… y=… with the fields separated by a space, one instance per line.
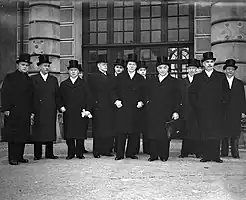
x=228 y=37
x=44 y=36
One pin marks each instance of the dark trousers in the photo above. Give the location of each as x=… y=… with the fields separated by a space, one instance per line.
x=234 y=146
x=38 y=149
x=159 y=148
x=211 y=149
x=137 y=145
x=113 y=146
x=15 y=151
x=131 y=145
x=75 y=147
x=102 y=145
x=190 y=146
x=146 y=144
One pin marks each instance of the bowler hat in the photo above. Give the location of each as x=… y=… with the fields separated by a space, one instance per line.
x=132 y=58
x=102 y=58
x=194 y=63
x=120 y=62
x=74 y=64
x=24 y=57
x=208 y=56
x=230 y=63
x=162 y=60
x=142 y=64
x=43 y=59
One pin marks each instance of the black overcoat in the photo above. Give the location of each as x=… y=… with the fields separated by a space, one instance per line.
x=75 y=97
x=235 y=108
x=17 y=91
x=103 y=107
x=46 y=102
x=187 y=112
x=209 y=96
x=164 y=99
x=130 y=92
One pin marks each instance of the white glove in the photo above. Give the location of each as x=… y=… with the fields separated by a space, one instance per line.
x=63 y=109
x=140 y=104
x=7 y=113
x=32 y=118
x=175 y=116
x=118 y=103
x=88 y=114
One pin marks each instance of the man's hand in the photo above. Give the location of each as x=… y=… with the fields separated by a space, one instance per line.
x=118 y=103
x=175 y=116
x=85 y=113
x=243 y=115
x=140 y=104
x=63 y=109
x=6 y=113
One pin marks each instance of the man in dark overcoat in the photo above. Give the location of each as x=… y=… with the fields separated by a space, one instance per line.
x=208 y=95
x=100 y=85
x=46 y=102
x=164 y=98
x=128 y=97
x=76 y=108
x=235 y=109
x=191 y=143
x=142 y=70
x=16 y=101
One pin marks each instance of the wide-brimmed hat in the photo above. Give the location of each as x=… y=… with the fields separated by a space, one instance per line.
x=24 y=57
x=142 y=64
x=43 y=59
x=194 y=63
x=230 y=63
x=102 y=58
x=74 y=64
x=162 y=60
x=132 y=58
x=120 y=62
x=208 y=56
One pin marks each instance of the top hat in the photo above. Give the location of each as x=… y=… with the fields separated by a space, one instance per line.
x=43 y=59
x=208 y=56
x=74 y=64
x=24 y=57
x=120 y=62
x=132 y=58
x=142 y=64
x=230 y=63
x=102 y=58
x=194 y=63
x=162 y=61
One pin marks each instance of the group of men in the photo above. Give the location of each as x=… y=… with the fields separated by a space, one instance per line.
x=123 y=106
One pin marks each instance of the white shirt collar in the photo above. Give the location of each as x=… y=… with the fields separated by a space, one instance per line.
x=102 y=72
x=44 y=76
x=131 y=74
x=190 y=78
x=230 y=80
x=161 y=78
x=73 y=79
x=209 y=73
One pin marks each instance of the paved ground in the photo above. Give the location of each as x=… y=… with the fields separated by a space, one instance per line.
x=107 y=179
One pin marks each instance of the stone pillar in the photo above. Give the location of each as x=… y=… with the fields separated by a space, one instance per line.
x=44 y=36
x=228 y=37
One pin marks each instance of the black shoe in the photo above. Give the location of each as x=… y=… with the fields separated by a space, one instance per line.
x=236 y=156
x=218 y=160
x=97 y=156
x=85 y=151
x=204 y=160
x=51 y=157
x=36 y=158
x=69 y=157
x=132 y=157
x=163 y=159
x=152 y=159
x=119 y=158
x=80 y=157
x=13 y=162
x=198 y=155
x=23 y=160
x=183 y=156
x=107 y=154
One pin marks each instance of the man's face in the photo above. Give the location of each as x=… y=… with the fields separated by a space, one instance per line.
x=102 y=66
x=230 y=71
x=118 y=69
x=163 y=69
x=44 y=68
x=208 y=64
x=191 y=70
x=131 y=66
x=73 y=72
x=142 y=71
x=23 y=67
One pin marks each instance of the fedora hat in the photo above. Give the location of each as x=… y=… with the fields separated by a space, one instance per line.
x=74 y=64
x=120 y=62
x=43 y=59
x=142 y=64
x=132 y=58
x=208 y=56
x=194 y=63
x=162 y=60
x=230 y=63
x=24 y=57
x=102 y=58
